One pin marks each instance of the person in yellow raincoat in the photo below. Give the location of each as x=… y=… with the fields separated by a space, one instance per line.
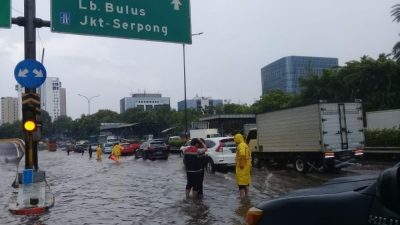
x=243 y=165
x=98 y=152
x=116 y=151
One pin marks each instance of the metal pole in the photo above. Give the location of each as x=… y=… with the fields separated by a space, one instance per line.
x=89 y=107
x=30 y=53
x=88 y=100
x=184 y=87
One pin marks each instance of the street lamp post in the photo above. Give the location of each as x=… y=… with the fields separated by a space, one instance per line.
x=88 y=100
x=184 y=85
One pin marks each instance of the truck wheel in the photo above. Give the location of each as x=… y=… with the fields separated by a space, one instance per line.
x=210 y=167
x=256 y=161
x=300 y=164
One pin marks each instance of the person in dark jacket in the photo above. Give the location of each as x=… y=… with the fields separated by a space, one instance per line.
x=90 y=151
x=192 y=157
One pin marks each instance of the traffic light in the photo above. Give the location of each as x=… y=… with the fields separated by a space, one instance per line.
x=29 y=121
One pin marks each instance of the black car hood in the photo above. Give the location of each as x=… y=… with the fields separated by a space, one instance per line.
x=338 y=185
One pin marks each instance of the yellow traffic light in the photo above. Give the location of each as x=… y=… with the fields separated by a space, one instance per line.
x=29 y=126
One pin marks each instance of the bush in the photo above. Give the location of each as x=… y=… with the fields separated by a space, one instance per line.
x=382 y=138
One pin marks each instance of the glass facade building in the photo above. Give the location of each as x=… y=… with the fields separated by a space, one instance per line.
x=284 y=73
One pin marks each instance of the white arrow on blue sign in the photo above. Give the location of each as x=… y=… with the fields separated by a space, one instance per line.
x=30 y=73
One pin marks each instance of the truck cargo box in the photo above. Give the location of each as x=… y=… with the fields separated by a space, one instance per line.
x=311 y=133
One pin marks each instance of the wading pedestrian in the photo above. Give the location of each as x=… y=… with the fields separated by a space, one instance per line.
x=243 y=166
x=194 y=167
x=98 y=152
x=90 y=151
x=116 y=151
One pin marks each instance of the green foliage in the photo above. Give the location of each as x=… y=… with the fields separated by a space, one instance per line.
x=13 y=130
x=396 y=47
x=46 y=123
x=62 y=126
x=382 y=138
x=273 y=100
x=375 y=82
x=232 y=108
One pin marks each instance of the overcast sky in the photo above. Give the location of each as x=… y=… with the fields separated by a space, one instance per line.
x=240 y=37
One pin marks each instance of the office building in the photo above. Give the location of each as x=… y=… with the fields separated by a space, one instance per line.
x=19 y=89
x=284 y=73
x=199 y=103
x=9 y=110
x=53 y=98
x=144 y=101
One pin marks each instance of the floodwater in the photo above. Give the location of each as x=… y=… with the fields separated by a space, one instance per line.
x=149 y=192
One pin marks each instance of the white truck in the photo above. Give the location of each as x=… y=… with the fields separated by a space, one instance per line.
x=203 y=133
x=318 y=136
x=385 y=119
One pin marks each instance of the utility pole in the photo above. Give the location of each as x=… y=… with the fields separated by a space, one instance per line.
x=30 y=23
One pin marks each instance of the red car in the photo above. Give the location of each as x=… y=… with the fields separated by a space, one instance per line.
x=129 y=148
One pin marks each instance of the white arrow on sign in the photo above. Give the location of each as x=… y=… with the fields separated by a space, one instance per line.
x=38 y=73
x=176 y=3
x=22 y=73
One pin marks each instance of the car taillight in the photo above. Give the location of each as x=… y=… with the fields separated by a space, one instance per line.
x=253 y=216
x=219 y=148
x=329 y=154
x=359 y=152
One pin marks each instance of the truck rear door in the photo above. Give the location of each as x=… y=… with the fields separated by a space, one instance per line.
x=341 y=126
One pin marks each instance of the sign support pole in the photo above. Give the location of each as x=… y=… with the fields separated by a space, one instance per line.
x=30 y=23
x=30 y=53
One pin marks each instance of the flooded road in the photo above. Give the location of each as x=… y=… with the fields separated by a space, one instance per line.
x=150 y=192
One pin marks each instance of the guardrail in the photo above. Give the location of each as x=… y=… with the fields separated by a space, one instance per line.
x=382 y=153
x=382 y=150
x=19 y=142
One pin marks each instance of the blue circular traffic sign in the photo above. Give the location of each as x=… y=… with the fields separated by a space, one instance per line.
x=30 y=73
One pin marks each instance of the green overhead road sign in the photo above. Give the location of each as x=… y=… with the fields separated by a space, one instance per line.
x=5 y=13
x=156 y=20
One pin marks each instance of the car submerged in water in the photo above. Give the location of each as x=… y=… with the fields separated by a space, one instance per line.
x=359 y=200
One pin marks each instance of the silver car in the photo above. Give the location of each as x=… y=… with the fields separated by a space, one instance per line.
x=107 y=148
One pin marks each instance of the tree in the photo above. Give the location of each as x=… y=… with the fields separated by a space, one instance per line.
x=13 y=130
x=273 y=100
x=375 y=82
x=396 y=15
x=62 y=126
x=47 y=125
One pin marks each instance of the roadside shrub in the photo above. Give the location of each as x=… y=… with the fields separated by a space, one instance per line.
x=382 y=138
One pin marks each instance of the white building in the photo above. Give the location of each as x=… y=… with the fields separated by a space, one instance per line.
x=143 y=101
x=19 y=90
x=9 y=110
x=53 y=98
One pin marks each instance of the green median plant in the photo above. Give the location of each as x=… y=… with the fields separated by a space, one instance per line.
x=382 y=138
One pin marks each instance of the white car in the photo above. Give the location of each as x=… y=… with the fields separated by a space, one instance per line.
x=183 y=147
x=107 y=148
x=221 y=151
